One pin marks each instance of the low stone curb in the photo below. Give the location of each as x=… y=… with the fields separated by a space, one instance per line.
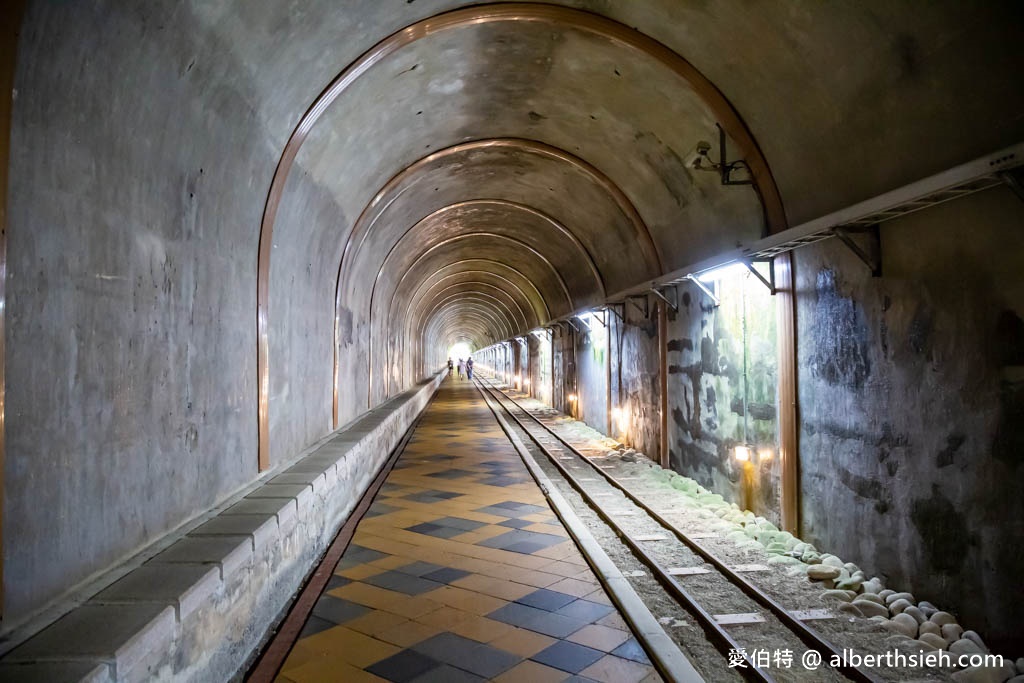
x=200 y=608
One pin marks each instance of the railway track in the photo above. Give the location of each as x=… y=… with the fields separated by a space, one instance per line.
x=661 y=545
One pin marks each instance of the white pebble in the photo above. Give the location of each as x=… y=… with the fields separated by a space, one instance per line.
x=942 y=618
x=899 y=596
x=976 y=639
x=938 y=642
x=951 y=632
x=965 y=647
x=870 y=608
x=916 y=613
x=897 y=606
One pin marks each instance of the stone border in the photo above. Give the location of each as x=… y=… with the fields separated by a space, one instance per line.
x=199 y=609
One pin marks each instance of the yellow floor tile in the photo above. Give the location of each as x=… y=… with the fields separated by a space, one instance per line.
x=330 y=670
x=533 y=578
x=481 y=629
x=575 y=587
x=613 y=620
x=523 y=642
x=412 y=608
x=374 y=622
x=600 y=637
x=444 y=618
x=498 y=588
x=350 y=646
x=468 y=601
x=408 y=633
x=390 y=562
x=566 y=570
x=359 y=572
x=370 y=596
x=532 y=672
x=611 y=669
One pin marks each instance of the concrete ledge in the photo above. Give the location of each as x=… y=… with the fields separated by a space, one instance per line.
x=197 y=610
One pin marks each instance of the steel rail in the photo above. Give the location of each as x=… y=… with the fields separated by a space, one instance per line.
x=810 y=637
x=722 y=640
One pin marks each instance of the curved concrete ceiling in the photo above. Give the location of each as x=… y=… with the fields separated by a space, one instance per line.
x=553 y=140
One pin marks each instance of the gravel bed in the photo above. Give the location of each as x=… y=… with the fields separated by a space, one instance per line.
x=738 y=537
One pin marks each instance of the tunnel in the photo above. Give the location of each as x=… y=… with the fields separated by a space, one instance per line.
x=771 y=250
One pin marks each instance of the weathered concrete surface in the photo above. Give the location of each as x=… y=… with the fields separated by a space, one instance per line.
x=592 y=376
x=130 y=372
x=910 y=395
x=722 y=388
x=144 y=140
x=636 y=388
x=198 y=610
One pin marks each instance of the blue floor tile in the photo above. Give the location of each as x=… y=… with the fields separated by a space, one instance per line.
x=405 y=666
x=586 y=610
x=544 y=599
x=568 y=656
x=631 y=650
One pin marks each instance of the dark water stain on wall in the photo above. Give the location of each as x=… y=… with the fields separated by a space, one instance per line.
x=840 y=357
x=872 y=489
x=946 y=455
x=680 y=345
x=1008 y=441
x=943 y=532
x=920 y=330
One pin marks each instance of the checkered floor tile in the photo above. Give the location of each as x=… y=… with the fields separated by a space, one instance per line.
x=461 y=572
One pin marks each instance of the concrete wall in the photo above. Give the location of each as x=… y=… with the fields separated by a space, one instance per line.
x=722 y=391
x=636 y=388
x=591 y=371
x=911 y=396
x=133 y=227
x=130 y=366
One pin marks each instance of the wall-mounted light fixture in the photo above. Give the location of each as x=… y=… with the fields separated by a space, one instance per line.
x=572 y=398
x=765 y=454
x=722 y=272
x=742 y=452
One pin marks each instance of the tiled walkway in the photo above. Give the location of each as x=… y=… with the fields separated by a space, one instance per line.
x=461 y=572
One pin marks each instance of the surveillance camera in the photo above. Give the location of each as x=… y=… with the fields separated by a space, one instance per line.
x=698 y=157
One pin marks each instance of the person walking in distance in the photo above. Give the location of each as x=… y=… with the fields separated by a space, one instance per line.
x=460 y=368
x=469 y=368
x=451 y=367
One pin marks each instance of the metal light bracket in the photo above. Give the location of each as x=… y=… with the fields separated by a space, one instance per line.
x=646 y=309
x=673 y=306
x=872 y=255
x=612 y=307
x=770 y=281
x=1012 y=178
x=704 y=288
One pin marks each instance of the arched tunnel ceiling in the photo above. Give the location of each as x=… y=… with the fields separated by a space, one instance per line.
x=554 y=141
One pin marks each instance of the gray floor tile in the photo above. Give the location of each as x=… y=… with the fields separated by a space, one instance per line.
x=338 y=611
x=403 y=583
x=405 y=666
x=547 y=600
x=568 y=656
x=585 y=610
x=631 y=650
x=459 y=523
